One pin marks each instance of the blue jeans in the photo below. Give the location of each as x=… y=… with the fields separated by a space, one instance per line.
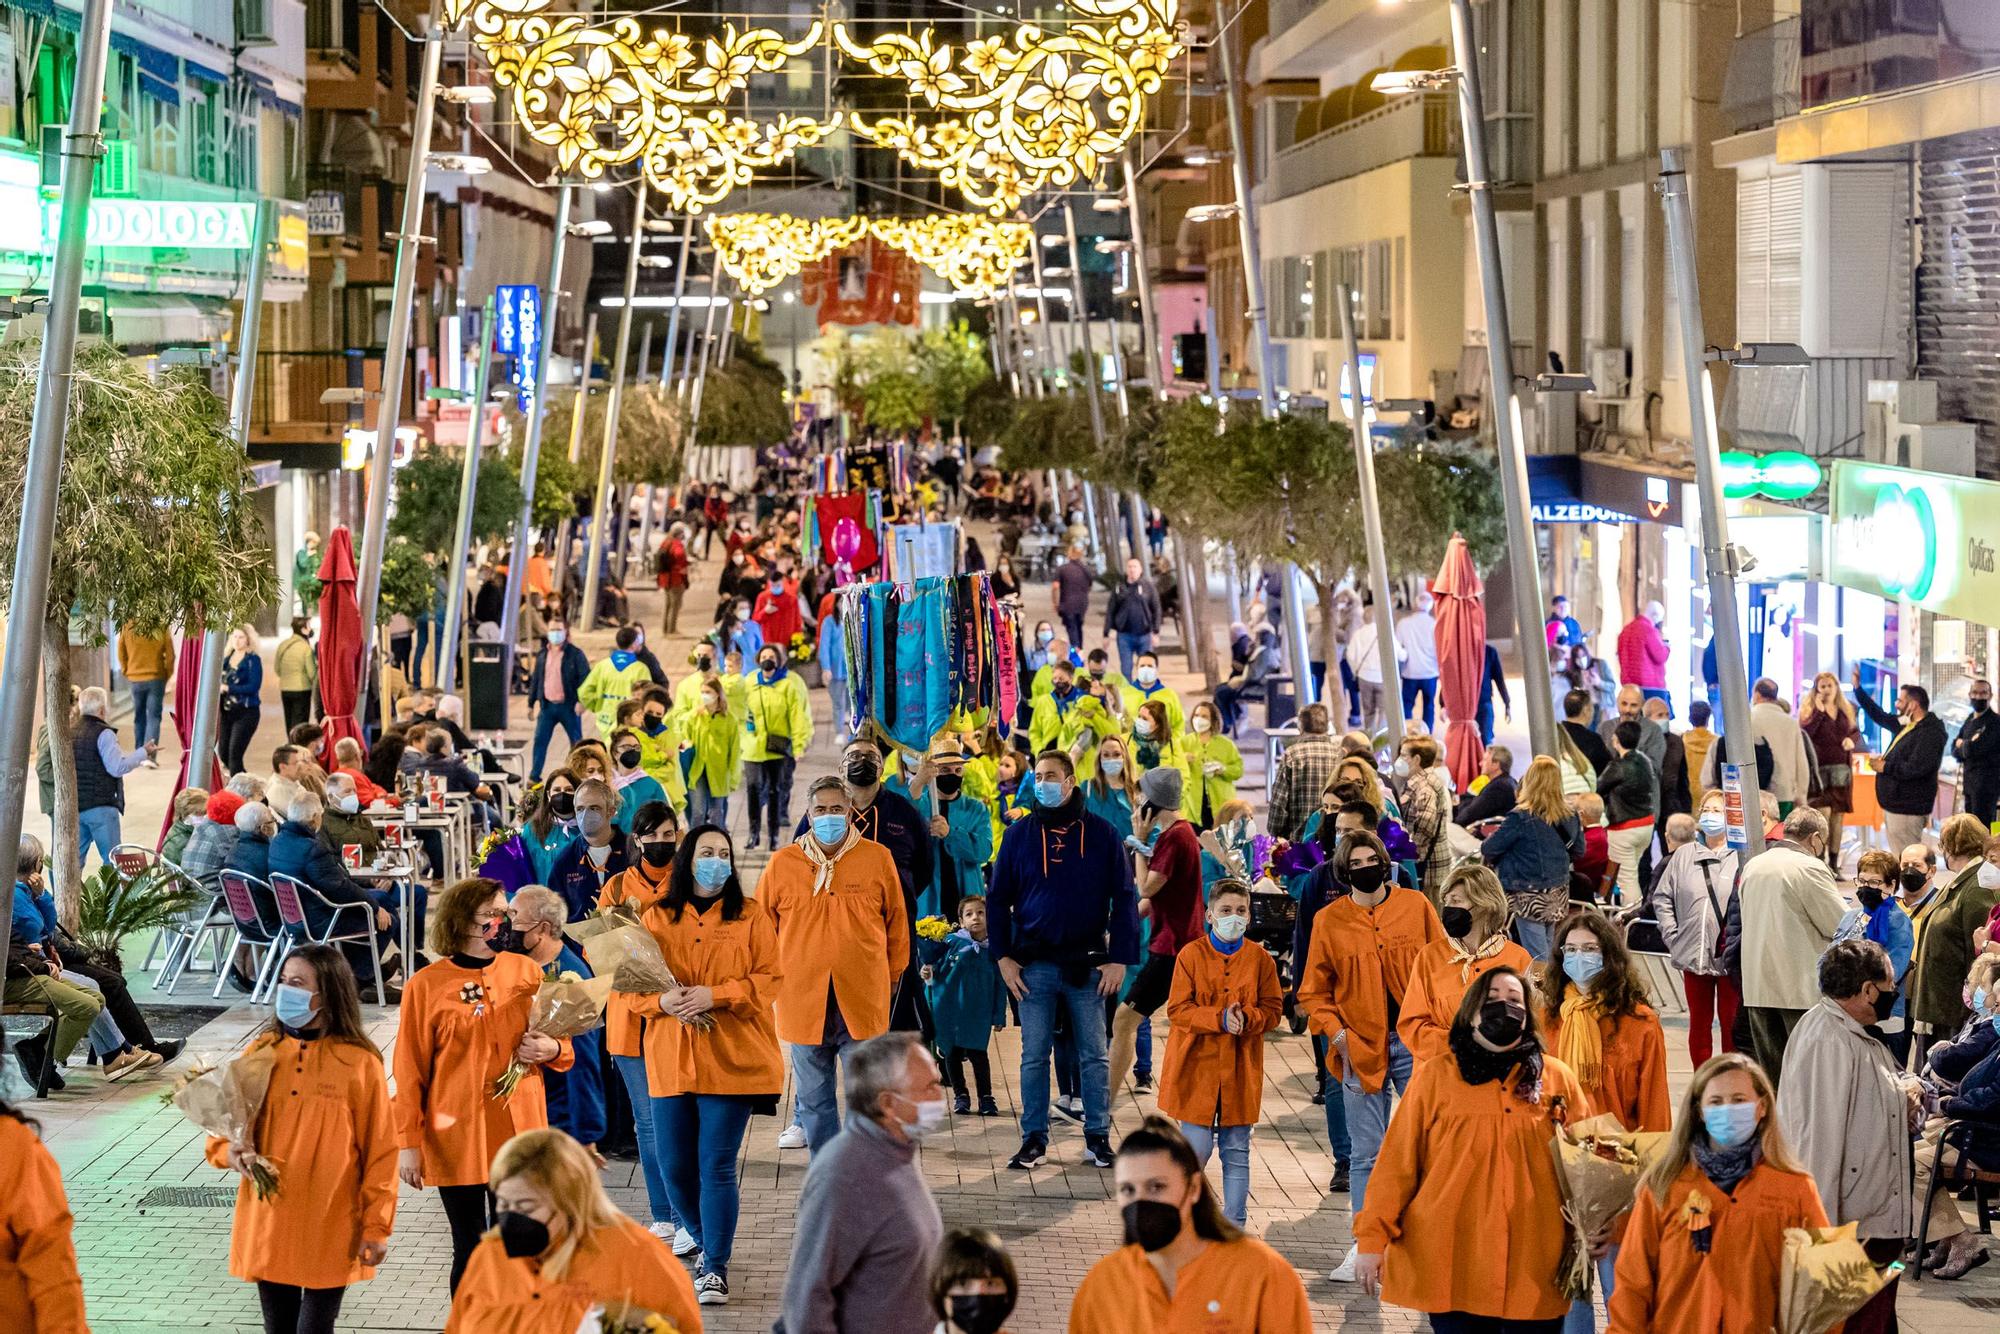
x=1130 y=647
x=552 y=713
x=106 y=1038
x=770 y=788
x=1427 y=686
x=147 y=697
x=1582 y=1317
x=1085 y=1008
x=1235 y=1144
x=705 y=809
x=1368 y=1117
x=1534 y=936
x=842 y=696
x=696 y=1138
x=812 y=1068
x=632 y=1069
x=1336 y=1107
x=97 y=827
x=1485 y=720
x=1142 y=1048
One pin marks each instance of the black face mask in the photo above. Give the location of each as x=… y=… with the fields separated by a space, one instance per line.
x=1501 y=1024
x=948 y=785
x=863 y=770
x=1151 y=1224
x=1981 y=703
x=1457 y=922
x=1367 y=879
x=1912 y=878
x=522 y=1237
x=506 y=940
x=770 y=665
x=629 y=758
x=1885 y=1004
x=981 y=1314
x=1869 y=897
x=657 y=854
x=562 y=804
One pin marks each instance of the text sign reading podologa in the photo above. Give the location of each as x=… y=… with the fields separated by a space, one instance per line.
x=150 y=224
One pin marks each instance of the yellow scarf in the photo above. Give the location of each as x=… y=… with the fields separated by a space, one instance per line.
x=1581 y=1045
x=823 y=862
x=1465 y=958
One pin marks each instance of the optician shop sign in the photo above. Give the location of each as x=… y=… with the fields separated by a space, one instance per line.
x=150 y=224
x=1925 y=537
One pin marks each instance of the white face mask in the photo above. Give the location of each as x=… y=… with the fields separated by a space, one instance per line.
x=1145 y=676
x=1229 y=928
x=348 y=804
x=1143 y=726
x=1989 y=876
x=930 y=1116
x=1402 y=766
x=1199 y=722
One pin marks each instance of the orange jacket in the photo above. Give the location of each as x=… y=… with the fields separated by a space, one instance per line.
x=1359 y=957
x=622 y=1262
x=1464 y=1204
x=325 y=1126
x=1232 y=1287
x=459 y=1030
x=856 y=934
x=739 y=961
x=41 y=1291
x=1206 y=1068
x=1634 y=1087
x=1665 y=1286
x=1438 y=982
x=623 y=1022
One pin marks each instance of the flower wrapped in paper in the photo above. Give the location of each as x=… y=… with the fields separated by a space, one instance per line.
x=565 y=1006
x=1598 y=1163
x=624 y=1318
x=1824 y=1277
x=619 y=947
x=224 y=1100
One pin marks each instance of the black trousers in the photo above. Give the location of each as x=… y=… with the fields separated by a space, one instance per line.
x=117 y=999
x=290 y=1310
x=469 y=1209
x=1770 y=1033
x=298 y=707
x=1982 y=794
x=234 y=734
x=982 y=1070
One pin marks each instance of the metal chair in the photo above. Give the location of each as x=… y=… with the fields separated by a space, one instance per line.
x=266 y=942
x=1956 y=1138
x=293 y=894
x=203 y=924
x=130 y=861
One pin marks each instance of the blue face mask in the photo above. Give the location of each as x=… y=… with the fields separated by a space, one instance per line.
x=711 y=873
x=293 y=1005
x=829 y=829
x=1112 y=768
x=1729 y=1124
x=1583 y=967
x=1712 y=824
x=1048 y=792
x=1979 y=1000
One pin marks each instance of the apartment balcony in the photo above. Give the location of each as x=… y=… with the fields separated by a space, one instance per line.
x=1761 y=85
x=1403 y=128
x=1308 y=37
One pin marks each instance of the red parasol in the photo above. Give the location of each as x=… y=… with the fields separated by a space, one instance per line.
x=339 y=643
x=187 y=682
x=1461 y=651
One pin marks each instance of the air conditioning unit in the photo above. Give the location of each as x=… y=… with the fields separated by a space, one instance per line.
x=117 y=173
x=1900 y=429
x=254 y=26
x=1610 y=369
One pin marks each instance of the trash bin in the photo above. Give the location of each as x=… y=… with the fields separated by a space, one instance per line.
x=486 y=687
x=1281 y=702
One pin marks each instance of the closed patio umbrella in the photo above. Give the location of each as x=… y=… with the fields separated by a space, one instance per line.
x=187 y=681
x=1461 y=651
x=339 y=643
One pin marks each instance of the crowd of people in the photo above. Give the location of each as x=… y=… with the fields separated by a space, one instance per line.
x=1476 y=969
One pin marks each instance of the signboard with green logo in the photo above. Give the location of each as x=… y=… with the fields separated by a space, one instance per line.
x=1925 y=537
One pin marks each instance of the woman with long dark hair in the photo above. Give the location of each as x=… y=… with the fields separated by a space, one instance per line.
x=1183 y=1260
x=41 y=1291
x=712 y=1057
x=325 y=1125
x=550 y=822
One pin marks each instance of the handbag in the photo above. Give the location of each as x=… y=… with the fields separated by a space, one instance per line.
x=778 y=744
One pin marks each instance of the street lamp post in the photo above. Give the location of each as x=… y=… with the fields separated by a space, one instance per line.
x=606 y=493
x=468 y=494
x=1718 y=556
x=1371 y=521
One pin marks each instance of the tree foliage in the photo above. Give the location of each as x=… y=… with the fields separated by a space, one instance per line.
x=427 y=490
x=894 y=402
x=409 y=581
x=951 y=364
x=743 y=401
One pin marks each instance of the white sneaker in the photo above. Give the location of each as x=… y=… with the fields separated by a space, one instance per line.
x=684 y=1242
x=1344 y=1272
x=664 y=1231
x=792 y=1137
x=711 y=1289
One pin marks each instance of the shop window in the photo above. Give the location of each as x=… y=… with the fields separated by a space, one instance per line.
x=1381 y=289
x=206 y=119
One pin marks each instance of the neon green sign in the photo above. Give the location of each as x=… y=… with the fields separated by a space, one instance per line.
x=151 y=224
x=1783 y=475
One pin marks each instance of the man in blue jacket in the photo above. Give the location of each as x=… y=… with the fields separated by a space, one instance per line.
x=575 y=1096
x=553 y=683
x=297 y=850
x=1064 y=924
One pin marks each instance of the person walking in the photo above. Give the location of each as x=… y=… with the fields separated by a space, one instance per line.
x=1691 y=901
x=1303 y=772
x=328 y=1225
x=1364 y=660
x=778 y=728
x=537 y=916
x=1473 y=912
x=555 y=685
x=297 y=665
x=1426 y=809
x=1783 y=917
x=1132 y=616
x=464 y=1021
x=1170 y=887
x=1827 y=719
x=1631 y=791
x=1465 y=1221
x=146 y=661
x=1642 y=652
x=1492 y=679
x=242 y=698
x=706 y=1080
x=1356 y=976
x=1069 y=593
x=1704 y=1249
x=832 y=657
x=1417 y=658
x=866 y=1226
x=670 y=567
x=843 y=935
x=1212 y=763
x=1061 y=914
x=1184 y=1264
x=968 y=1001
x=614 y=680
x=101 y=766
x=1531 y=853
x=1906 y=772
x=1944 y=951
x=597 y=853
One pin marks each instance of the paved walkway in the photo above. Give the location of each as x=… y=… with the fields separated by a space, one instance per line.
x=154 y=1219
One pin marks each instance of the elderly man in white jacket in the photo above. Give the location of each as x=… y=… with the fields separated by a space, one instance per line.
x=1691 y=901
x=1787 y=910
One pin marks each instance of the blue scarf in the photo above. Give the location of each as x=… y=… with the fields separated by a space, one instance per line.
x=1878 y=925
x=774 y=677
x=621 y=658
x=966 y=936
x=1225 y=946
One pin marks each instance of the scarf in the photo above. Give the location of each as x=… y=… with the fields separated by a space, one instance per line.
x=822 y=862
x=1726 y=1167
x=1581 y=1044
x=1477 y=1065
x=1465 y=958
x=966 y=936
x=622 y=658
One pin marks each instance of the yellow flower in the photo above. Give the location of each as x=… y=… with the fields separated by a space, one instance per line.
x=987 y=59
x=933 y=77
x=596 y=84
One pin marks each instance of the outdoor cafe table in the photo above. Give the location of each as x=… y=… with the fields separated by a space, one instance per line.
x=397 y=869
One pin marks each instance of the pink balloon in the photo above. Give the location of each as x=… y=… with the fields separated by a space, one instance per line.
x=846 y=539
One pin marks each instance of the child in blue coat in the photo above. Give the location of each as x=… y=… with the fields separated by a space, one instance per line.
x=968 y=1002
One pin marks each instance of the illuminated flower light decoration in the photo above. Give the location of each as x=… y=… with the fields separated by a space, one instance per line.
x=974 y=254
x=761 y=250
x=1044 y=110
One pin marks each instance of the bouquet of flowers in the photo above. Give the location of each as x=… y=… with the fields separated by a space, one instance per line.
x=565 y=1006
x=621 y=1317
x=1825 y=1277
x=1598 y=1163
x=933 y=928
x=503 y=857
x=224 y=1101
x=800 y=648
x=620 y=947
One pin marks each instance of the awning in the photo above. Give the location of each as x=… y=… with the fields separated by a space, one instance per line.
x=267 y=92
x=159 y=71
x=147 y=319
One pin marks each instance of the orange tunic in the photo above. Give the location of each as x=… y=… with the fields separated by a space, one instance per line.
x=1360 y=957
x=325 y=1125
x=855 y=935
x=1438 y=982
x=1232 y=1287
x=1665 y=1286
x=622 y=1263
x=460 y=1027
x=739 y=961
x=1206 y=1068
x=1464 y=1205
x=1633 y=1087
x=622 y=1022
x=41 y=1291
